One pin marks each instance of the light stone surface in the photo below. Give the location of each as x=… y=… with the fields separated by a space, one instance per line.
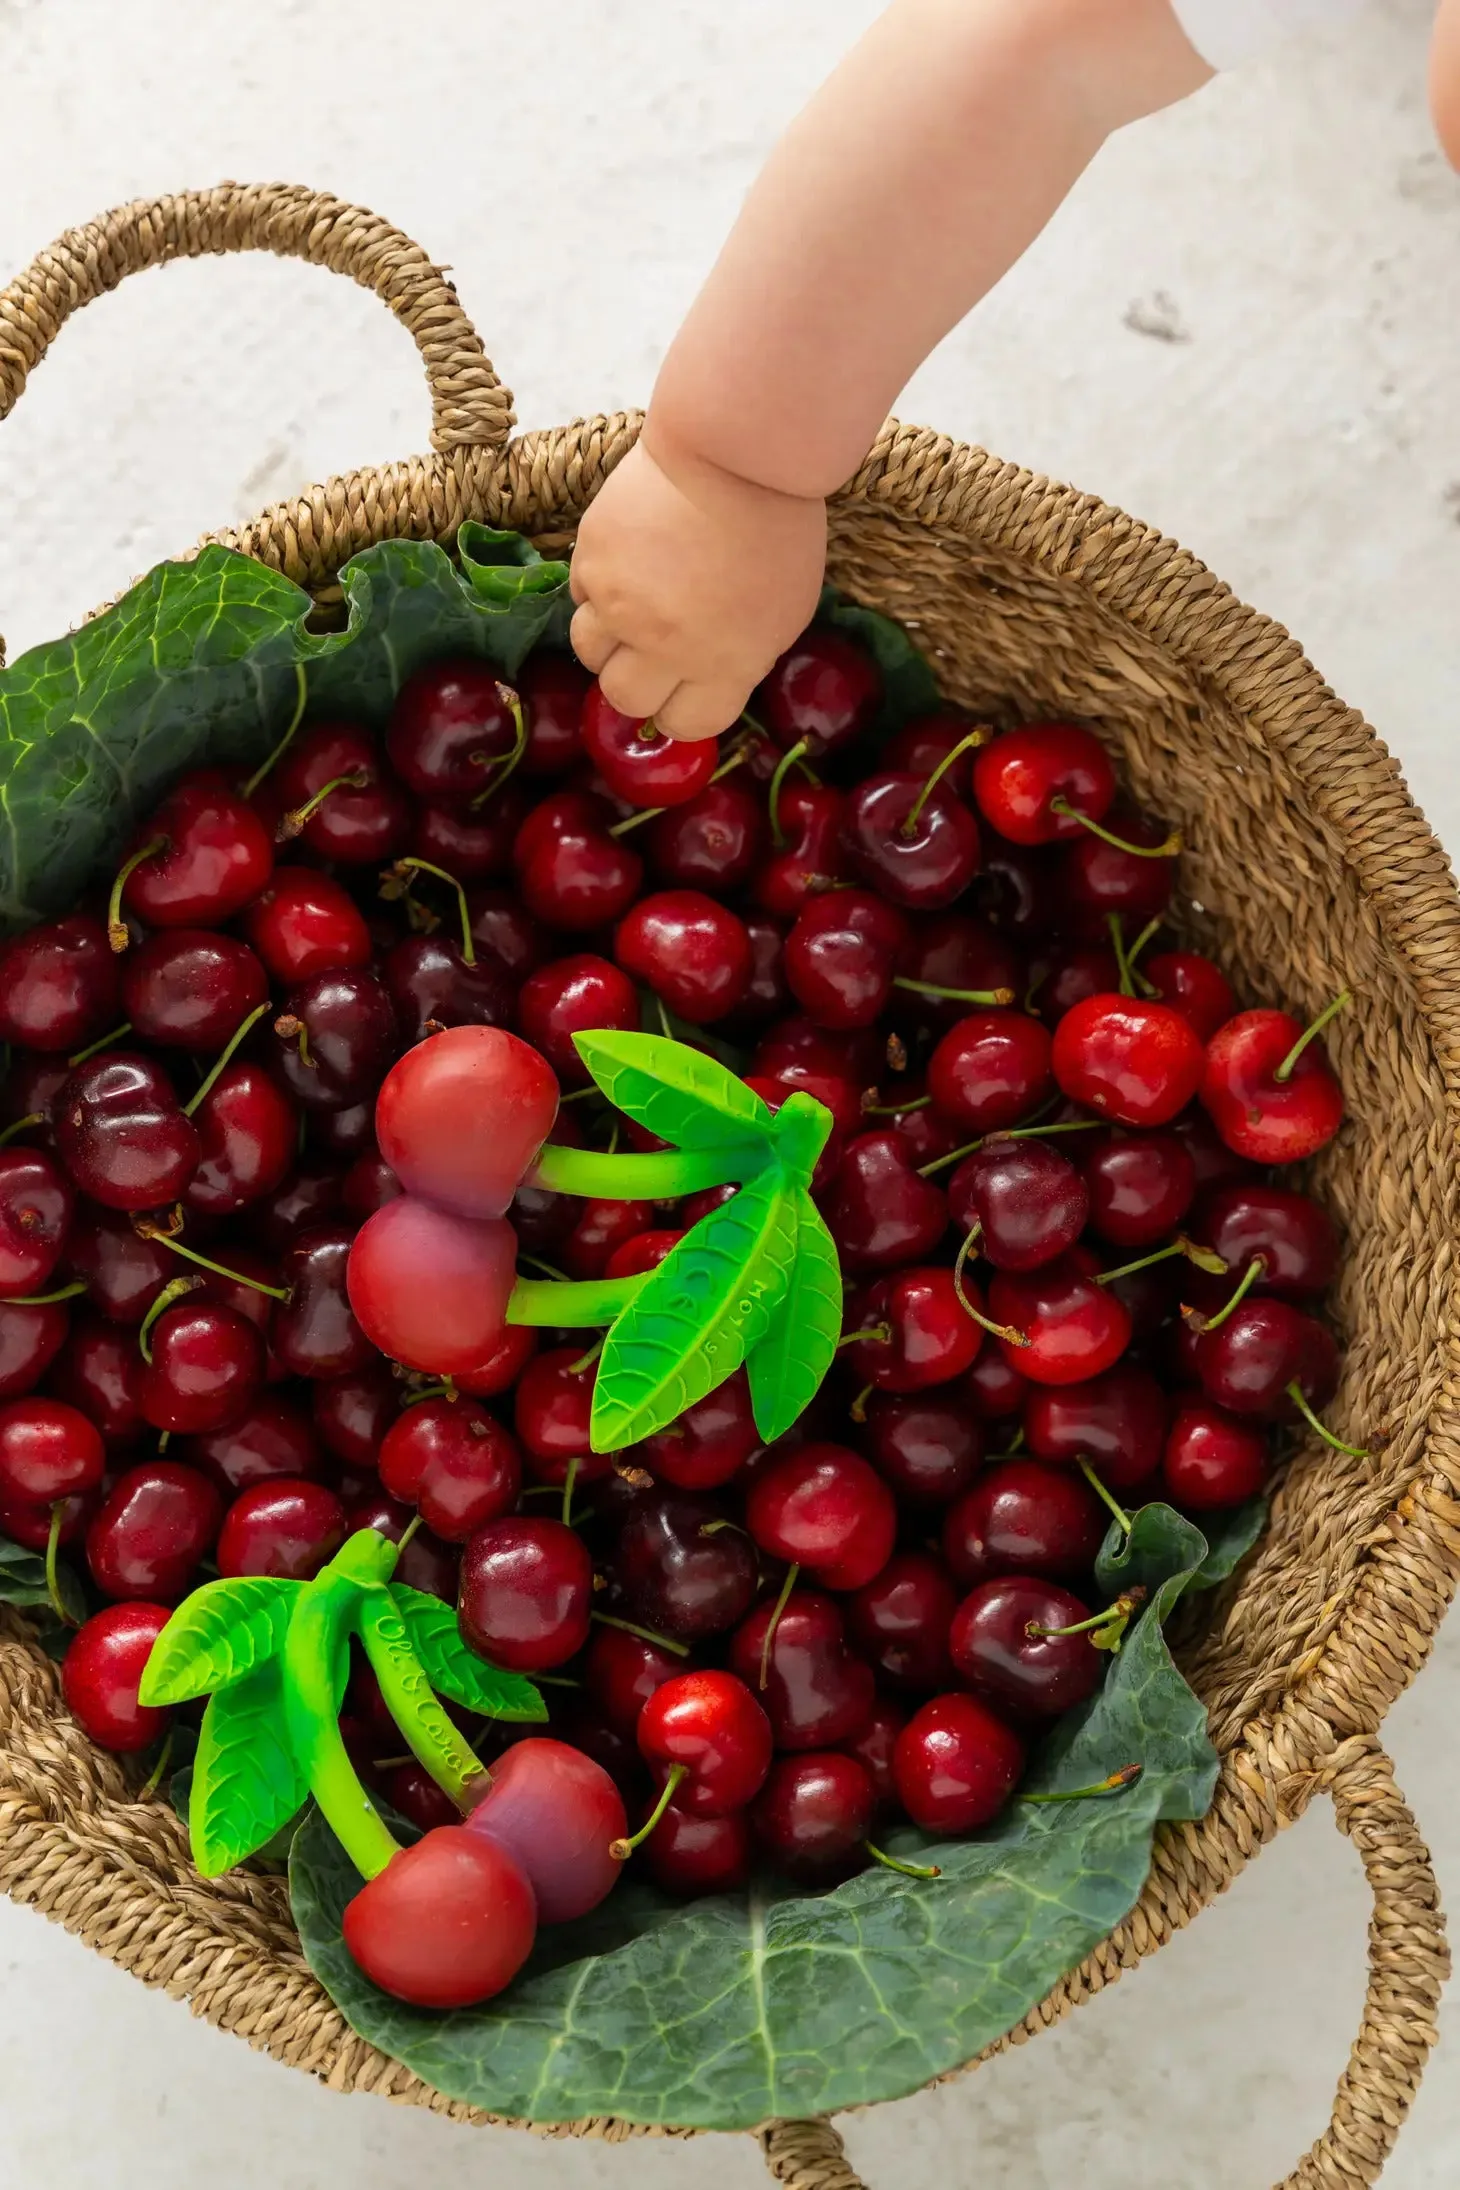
x=1244 y=328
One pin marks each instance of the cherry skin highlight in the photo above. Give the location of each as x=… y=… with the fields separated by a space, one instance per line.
x=956 y=1764
x=813 y=1816
x=996 y=1650
x=526 y=1586
x=1259 y=1116
x=1134 y=1062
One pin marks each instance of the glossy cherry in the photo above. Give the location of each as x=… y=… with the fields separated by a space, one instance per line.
x=1027 y=1200
x=1074 y=1327
x=678 y=1575
x=697 y=1855
x=574 y=874
x=959 y=954
x=121 y=1133
x=1249 y=1363
x=337 y=795
x=621 y=1672
x=460 y=1117
x=98 y=1370
x=314 y=1333
x=1023 y=780
x=60 y=985
x=1068 y=977
x=640 y=1253
x=955 y=1764
x=1295 y=1236
x=708 y=1444
x=813 y=1816
x=1096 y=879
x=765 y=995
x=827 y=1509
x=368 y=1184
x=998 y=1647
x=212 y=858
x=993 y=1387
x=639 y=763
x=411 y=1790
x=431 y=986
x=102 y=1674
x=918 y=847
x=288 y=1527
x=471 y=843
x=353 y=1411
x=824 y=691
x=447 y=1923
x=875 y=1745
x=36 y=1206
x=815 y=1692
x=1269 y=1104
x=1194 y=986
x=918 y=747
x=899 y=1621
x=48 y=1451
x=880 y=1212
x=712 y=841
x=1141 y=1185
x=810 y=857
x=150 y=1531
x=501 y=1367
x=842 y=955
x=574 y=995
x=552 y=1407
x=454 y=1462
x=190 y=988
x=451 y=728
x=306 y=923
x=919 y=1332
x=335 y=1038
x=559 y=1814
x=206 y=1364
x=925 y=1445
x=990 y=1070
x=710 y=1724
x=1117 y=1421
x=526 y=1588
x=310 y=1195
x=1212 y=1459
x=1024 y=1517
x=692 y=952
x=1017 y=890
x=248 y=1133
x=1135 y=1062
x=30 y=1339
x=270 y=1439
x=552 y=688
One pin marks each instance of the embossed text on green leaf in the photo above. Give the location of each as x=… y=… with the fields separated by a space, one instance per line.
x=456 y=1672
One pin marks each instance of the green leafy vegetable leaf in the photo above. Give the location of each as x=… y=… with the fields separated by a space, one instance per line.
x=217 y=1636
x=697 y=1316
x=687 y=1099
x=246 y=1784
x=456 y=1672
x=787 y=1367
x=909 y=687
x=1230 y=1536
x=736 y=2008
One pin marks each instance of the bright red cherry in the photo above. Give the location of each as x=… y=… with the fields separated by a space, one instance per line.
x=559 y=1814
x=1024 y=1517
x=1212 y=1459
x=990 y=1070
x=1117 y=1421
x=335 y=792
x=1006 y=1642
x=640 y=1253
x=638 y=762
x=1192 y=985
x=30 y=1339
x=812 y=856
x=692 y=952
x=499 y=1370
x=451 y=728
x=121 y=1134
x=247 y=1136
x=102 y=1673
x=447 y=1923
x=1035 y=783
x=36 y=1205
x=48 y=1451
x=206 y=1364
x=899 y=1621
x=824 y=1508
x=712 y=841
x=816 y=1692
x=711 y=1724
x=270 y=1439
x=842 y=955
x=526 y=1588
x=212 y=858
x=823 y=692
x=305 y=923
x=573 y=873
x=1141 y=1185
x=287 y=1527
x=429 y=1288
x=454 y=1462
x=1027 y=1200
x=473 y=844
x=552 y=1408
x=930 y=1336
x=955 y=1765
x=1270 y=1099
x=926 y=1445
x=697 y=1855
x=552 y=688
x=60 y=986
x=1295 y=1237
x=460 y=1118
x=709 y=1443
x=154 y=1525
x=313 y=1333
x=813 y=1816
x=189 y=988
x=919 y=847
x=576 y=995
x=1075 y=1327
x=1135 y=1062
x=880 y=1212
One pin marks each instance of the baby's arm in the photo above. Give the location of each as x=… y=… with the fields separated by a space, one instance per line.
x=916 y=177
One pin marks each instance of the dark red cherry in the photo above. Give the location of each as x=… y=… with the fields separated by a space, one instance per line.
x=874 y=1747
x=712 y=841
x=36 y=1205
x=1027 y=1200
x=813 y=1816
x=213 y=857
x=352 y=1413
x=572 y=873
x=410 y=1789
x=286 y=1527
x=28 y=1096
x=248 y=1134
x=306 y=924
x=709 y=1443
x=49 y=1451
x=621 y=1672
x=338 y=796
x=856 y=1055
x=1141 y=1185
x=1295 y=1237
x=880 y=1212
x=454 y=1462
x=431 y=985
x=1192 y=985
x=335 y=1038
x=841 y=956
x=601 y=1228
x=1002 y=1646
x=824 y=691
x=501 y=929
x=692 y=952
x=956 y=1764
x=30 y=1339
x=1249 y=1363
x=314 y=1332
x=98 y=1371
x=269 y=1440
x=500 y=1369
x=826 y=1509
x=311 y=1195
x=450 y=730
x=1135 y=1062
x=526 y=1588
x=1024 y=1517
x=101 y=1678
x=123 y=1273
x=678 y=1575
x=1212 y=1459
x=121 y=1134
x=154 y=1525
x=919 y=848
x=811 y=857
x=1074 y=1327
x=925 y=1445
x=990 y=1070
x=993 y=1387
x=766 y=995
x=1265 y=1109
x=472 y=843
x=207 y=1363
x=1034 y=783
x=816 y=1693
x=1017 y=891
x=1117 y=1421
x=578 y=995
x=645 y=1251
x=1097 y=880
x=710 y=1724
x=552 y=688
x=1216 y=1164
x=639 y=763
x=1068 y=977
x=918 y=1332
x=60 y=986
x=903 y=1107
x=697 y=1855
x=425 y=1562
x=920 y=745
x=959 y=953
x=368 y=1185
x=899 y=1621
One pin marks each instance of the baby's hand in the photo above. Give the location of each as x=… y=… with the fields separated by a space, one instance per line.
x=690 y=582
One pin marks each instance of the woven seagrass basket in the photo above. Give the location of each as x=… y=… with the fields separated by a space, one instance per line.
x=1309 y=870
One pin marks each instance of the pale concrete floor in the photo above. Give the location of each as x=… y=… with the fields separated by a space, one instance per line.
x=1245 y=328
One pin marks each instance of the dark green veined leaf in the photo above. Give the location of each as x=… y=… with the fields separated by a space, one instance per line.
x=687 y=1099
x=698 y=1315
x=217 y=1636
x=909 y=687
x=787 y=1367
x=247 y=1783
x=456 y=1672
x=724 y=2012
x=23 y=1584
x=1230 y=1536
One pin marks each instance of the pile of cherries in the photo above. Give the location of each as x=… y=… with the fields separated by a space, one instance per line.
x=1073 y=1283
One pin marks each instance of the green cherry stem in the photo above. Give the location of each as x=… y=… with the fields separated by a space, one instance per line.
x=94 y=1049
x=1309 y=1034
x=784 y=766
x=1009 y=1133
x=293 y=823
x=1300 y=1400
x=509 y=762
x=46 y=1300
x=312 y=1650
x=621 y=1850
x=424 y=866
x=230 y=1047
x=953 y=996
x=879 y=1333
x=895 y=1110
x=1203 y=1257
x=148 y=1230
x=431 y=1736
x=300 y=695
x=570 y=1483
x=969 y=744
x=1106 y=1496
x=1116 y=1784
x=23 y=1125
x=53 y=1578
x=792 y=1571
x=117 y=932
x=548 y=1269
x=1250 y=1276
x=1005 y=1331
x=417 y=1521
x=571 y=1304
x=1168 y=850
x=645 y=1634
x=895 y=1863
x=586 y=1360
x=636 y=821
x=173 y=1290
x=153 y=1780
x=1106 y=1629
x=662 y=1176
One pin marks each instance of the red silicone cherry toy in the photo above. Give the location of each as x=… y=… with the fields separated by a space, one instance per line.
x=558 y=1814
x=447 y=1923
x=460 y=1117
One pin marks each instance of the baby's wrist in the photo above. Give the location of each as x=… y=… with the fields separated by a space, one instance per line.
x=706 y=478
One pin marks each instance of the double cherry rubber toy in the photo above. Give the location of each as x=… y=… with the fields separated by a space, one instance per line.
x=1029 y=1132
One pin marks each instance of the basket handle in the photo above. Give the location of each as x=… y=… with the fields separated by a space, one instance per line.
x=469 y=406
x=1408 y=1964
